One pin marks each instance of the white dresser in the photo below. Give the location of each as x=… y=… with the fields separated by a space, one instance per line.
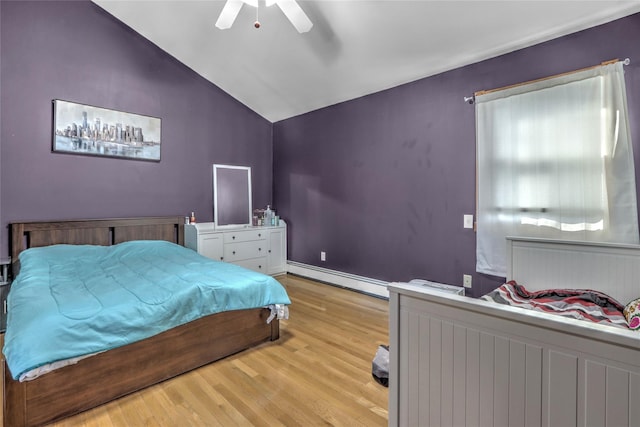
x=262 y=249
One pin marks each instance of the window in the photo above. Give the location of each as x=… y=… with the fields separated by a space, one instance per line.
x=555 y=161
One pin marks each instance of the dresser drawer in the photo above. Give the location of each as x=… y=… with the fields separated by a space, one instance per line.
x=255 y=264
x=245 y=250
x=262 y=249
x=244 y=236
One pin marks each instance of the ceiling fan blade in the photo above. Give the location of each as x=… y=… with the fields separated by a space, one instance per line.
x=229 y=14
x=296 y=15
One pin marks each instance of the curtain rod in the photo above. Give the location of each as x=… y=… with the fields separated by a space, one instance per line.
x=471 y=99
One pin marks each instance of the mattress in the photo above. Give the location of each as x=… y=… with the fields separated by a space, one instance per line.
x=70 y=301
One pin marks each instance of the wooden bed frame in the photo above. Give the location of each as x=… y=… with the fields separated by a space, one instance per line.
x=115 y=373
x=460 y=361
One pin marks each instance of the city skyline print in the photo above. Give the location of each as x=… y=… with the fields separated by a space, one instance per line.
x=96 y=131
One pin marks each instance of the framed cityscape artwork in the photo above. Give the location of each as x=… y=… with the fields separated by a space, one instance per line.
x=95 y=131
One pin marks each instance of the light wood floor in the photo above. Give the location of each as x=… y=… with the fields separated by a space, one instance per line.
x=318 y=373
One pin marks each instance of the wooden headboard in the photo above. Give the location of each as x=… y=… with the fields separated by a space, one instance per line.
x=103 y=232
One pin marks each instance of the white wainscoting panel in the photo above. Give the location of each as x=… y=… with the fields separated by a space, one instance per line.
x=457 y=362
x=460 y=376
x=543 y=264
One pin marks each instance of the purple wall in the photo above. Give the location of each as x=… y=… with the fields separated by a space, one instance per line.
x=381 y=183
x=77 y=52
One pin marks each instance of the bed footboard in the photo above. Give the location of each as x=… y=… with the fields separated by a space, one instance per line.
x=464 y=362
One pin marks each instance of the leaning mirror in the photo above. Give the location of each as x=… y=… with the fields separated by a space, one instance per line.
x=231 y=196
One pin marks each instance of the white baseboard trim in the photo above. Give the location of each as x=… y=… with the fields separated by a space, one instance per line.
x=345 y=280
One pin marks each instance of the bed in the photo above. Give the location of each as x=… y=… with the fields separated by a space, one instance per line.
x=460 y=361
x=108 y=375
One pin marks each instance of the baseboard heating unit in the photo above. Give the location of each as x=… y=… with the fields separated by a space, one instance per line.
x=346 y=280
x=440 y=287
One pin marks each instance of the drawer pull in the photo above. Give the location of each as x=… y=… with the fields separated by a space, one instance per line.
x=259 y=234
x=259 y=249
x=234 y=252
x=233 y=237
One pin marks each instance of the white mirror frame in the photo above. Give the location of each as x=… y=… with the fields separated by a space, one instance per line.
x=218 y=196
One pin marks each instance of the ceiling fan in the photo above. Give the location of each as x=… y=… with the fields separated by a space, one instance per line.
x=290 y=8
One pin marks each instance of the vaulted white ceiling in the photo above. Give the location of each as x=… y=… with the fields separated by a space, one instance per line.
x=356 y=47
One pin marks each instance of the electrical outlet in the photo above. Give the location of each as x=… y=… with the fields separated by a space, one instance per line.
x=468 y=221
x=323 y=256
x=466 y=280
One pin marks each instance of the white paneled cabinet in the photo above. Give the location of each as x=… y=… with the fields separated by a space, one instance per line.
x=262 y=249
x=277 y=250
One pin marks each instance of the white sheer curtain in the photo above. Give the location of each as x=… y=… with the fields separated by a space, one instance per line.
x=555 y=161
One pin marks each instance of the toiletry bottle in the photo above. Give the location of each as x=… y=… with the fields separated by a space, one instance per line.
x=268 y=214
x=192 y=218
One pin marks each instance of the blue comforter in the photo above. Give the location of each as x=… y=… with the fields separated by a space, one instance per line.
x=74 y=300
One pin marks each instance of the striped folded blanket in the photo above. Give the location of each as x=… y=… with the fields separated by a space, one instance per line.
x=583 y=304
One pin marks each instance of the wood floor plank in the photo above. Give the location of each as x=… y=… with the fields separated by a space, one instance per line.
x=317 y=373
x=157 y=401
x=292 y=403
x=327 y=388
x=218 y=407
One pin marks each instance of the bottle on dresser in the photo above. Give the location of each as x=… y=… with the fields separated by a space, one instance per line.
x=268 y=216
